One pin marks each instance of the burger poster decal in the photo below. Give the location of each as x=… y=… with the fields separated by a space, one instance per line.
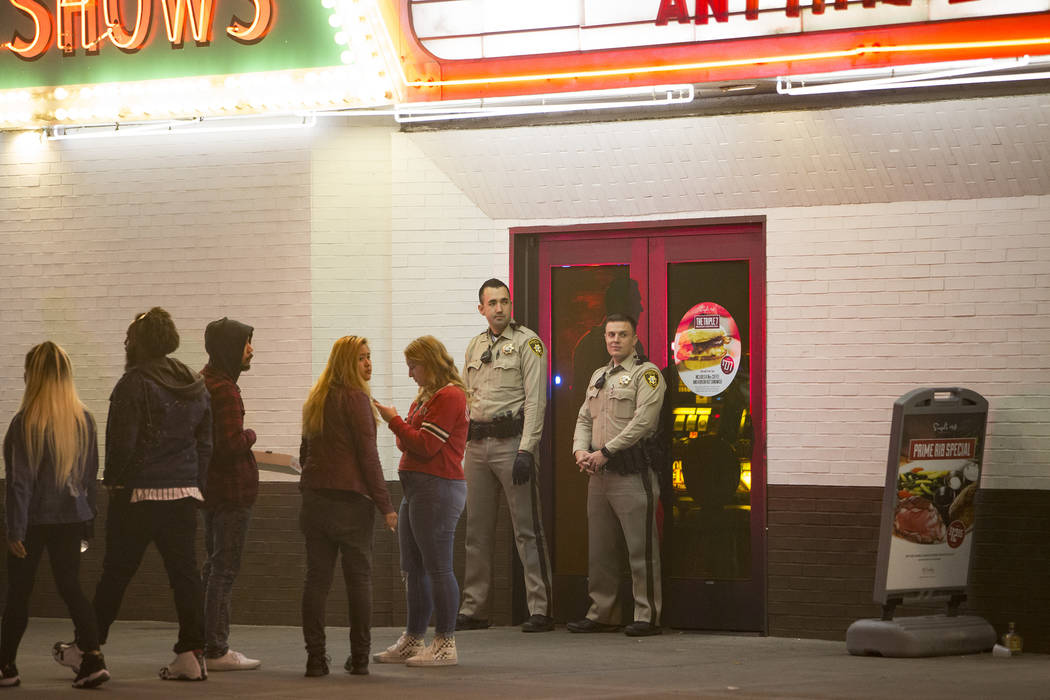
x=706 y=349
x=937 y=478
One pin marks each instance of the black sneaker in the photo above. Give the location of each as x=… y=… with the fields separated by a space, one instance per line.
x=317 y=665
x=9 y=676
x=587 y=625
x=92 y=671
x=642 y=629
x=466 y=622
x=356 y=665
x=538 y=623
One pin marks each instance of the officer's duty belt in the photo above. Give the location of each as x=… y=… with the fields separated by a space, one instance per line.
x=631 y=460
x=503 y=427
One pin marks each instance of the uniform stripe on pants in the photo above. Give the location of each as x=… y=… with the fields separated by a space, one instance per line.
x=650 y=518
x=541 y=545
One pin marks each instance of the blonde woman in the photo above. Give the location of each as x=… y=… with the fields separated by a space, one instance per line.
x=342 y=482
x=432 y=439
x=51 y=455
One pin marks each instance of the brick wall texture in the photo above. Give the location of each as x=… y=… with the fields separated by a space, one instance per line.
x=823 y=545
x=822 y=548
x=269 y=588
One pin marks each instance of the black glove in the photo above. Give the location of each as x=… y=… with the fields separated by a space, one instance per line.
x=522 y=469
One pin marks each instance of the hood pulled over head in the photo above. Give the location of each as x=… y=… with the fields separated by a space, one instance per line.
x=224 y=340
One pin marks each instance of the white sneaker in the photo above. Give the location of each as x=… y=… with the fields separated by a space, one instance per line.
x=400 y=651
x=441 y=652
x=187 y=666
x=233 y=661
x=67 y=654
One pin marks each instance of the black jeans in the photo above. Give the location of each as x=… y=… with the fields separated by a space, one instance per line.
x=337 y=523
x=172 y=526
x=63 y=549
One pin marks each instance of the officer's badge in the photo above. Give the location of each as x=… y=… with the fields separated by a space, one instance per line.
x=625 y=380
x=536 y=346
x=508 y=349
x=652 y=377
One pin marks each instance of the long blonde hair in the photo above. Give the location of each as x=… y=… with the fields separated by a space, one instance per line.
x=341 y=370
x=54 y=420
x=439 y=365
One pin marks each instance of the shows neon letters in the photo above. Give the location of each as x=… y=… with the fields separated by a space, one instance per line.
x=128 y=24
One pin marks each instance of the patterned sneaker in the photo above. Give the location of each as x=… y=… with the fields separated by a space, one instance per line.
x=441 y=652
x=9 y=676
x=187 y=666
x=400 y=651
x=67 y=654
x=233 y=661
x=92 y=671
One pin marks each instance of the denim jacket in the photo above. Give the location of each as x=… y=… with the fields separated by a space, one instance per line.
x=33 y=498
x=158 y=434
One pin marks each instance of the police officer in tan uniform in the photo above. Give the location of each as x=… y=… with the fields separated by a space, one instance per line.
x=506 y=373
x=612 y=443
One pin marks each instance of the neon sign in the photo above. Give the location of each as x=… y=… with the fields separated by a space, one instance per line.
x=678 y=10
x=489 y=30
x=88 y=24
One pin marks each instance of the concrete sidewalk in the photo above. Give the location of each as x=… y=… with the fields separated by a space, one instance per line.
x=503 y=662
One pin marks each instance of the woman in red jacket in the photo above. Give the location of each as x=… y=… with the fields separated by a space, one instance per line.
x=342 y=483
x=432 y=438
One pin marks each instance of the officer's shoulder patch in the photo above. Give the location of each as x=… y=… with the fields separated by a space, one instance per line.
x=652 y=377
x=536 y=346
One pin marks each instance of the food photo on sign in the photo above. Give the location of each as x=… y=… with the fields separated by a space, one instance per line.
x=933 y=495
x=938 y=474
x=707 y=349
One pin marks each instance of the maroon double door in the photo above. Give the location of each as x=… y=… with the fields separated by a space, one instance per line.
x=713 y=482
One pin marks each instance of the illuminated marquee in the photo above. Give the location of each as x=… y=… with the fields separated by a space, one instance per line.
x=485 y=29
x=678 y=10
x=127 y=24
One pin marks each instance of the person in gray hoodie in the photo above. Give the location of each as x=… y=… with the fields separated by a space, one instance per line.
x=158 y=447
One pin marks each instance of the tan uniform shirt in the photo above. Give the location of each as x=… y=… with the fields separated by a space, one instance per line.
x=625 y=410
x=515 y=379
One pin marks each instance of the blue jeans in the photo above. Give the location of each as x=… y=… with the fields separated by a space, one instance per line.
x=426 y=527
x=225 y=532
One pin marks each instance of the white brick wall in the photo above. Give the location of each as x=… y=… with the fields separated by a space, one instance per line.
x=348 y=229
x=895 y=296
x=93 y=232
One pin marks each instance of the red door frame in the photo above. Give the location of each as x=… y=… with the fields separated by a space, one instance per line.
x=729 y=235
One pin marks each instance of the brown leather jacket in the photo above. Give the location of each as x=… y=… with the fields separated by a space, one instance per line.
x=344 y=456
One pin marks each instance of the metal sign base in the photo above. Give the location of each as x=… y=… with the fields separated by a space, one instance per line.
x=923 y=635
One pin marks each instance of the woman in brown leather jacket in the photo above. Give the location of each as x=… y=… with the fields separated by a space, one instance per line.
x=342 y=482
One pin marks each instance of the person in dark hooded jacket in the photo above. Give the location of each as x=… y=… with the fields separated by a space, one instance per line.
x=158 y=446
x=231 y=489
